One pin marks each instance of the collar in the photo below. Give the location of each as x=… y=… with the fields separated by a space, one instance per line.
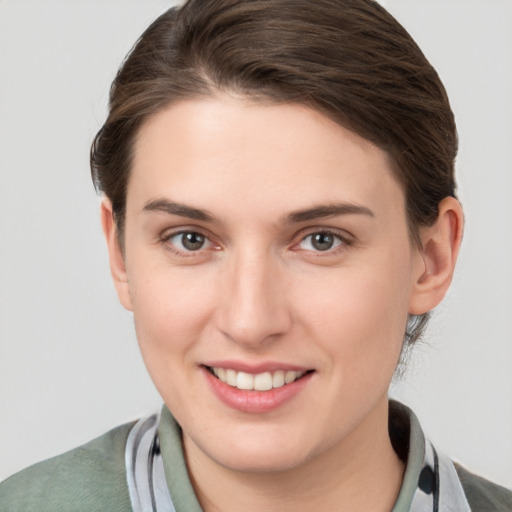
x=160 y=483
x=430 y=483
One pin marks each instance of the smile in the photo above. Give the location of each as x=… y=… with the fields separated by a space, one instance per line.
x=256 y=382
x=256 y=390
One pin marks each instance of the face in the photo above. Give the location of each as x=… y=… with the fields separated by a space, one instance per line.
x=270 y=273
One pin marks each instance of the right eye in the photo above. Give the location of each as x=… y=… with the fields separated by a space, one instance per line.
x=186 y=242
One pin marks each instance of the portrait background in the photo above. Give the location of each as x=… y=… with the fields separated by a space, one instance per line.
x=69 y=362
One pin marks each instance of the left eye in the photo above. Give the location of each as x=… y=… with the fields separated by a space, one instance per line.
x=188 y=241
x=321 y=241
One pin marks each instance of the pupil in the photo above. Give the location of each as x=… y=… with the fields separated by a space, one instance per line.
x=322 y=241
x=192 y=241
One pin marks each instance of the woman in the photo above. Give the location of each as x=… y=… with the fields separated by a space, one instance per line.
x=281 y=216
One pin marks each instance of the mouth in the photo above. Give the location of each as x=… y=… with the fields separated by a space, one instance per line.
x=264 y=381
x=256 y=389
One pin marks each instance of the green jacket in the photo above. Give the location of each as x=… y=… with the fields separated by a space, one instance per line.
x=93 y=477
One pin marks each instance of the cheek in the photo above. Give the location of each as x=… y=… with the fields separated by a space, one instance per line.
x=171 y=312
x=360 y=318
x=171 y=308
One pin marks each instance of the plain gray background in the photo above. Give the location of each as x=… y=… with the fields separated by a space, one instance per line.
x=69 y=363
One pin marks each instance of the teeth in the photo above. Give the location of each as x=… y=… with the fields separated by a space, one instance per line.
x=289 y=377
x=230 y=378
x=244 y=381
x=278 y=379
x=263 y=381
x=221 y=373
x=259 y=382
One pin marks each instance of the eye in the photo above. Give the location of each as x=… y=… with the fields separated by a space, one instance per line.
x=321 y=241
x=188 y=241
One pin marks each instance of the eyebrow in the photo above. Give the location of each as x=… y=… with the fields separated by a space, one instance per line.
x=172 y=208
x=328 y=210
x=313 y=213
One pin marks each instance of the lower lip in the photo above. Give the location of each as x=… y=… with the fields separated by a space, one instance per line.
x=255 y=401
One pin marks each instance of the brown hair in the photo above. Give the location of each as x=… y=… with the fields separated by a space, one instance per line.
x=349 y=59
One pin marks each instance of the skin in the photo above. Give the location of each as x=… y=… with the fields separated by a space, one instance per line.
x=259 y=291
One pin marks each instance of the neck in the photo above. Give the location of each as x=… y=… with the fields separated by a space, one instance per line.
x=362 y=472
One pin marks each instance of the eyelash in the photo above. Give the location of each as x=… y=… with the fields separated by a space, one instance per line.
x=343 y=241
x=169 y=246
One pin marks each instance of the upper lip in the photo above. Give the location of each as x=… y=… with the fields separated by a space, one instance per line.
x=255 y=368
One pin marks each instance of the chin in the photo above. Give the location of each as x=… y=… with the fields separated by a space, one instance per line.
x=261 y=461
x=261 y=452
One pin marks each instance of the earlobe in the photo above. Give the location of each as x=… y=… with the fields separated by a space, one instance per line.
x=437 y=257
x=116 y=256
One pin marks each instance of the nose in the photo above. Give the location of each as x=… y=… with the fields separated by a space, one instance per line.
x=253 y=308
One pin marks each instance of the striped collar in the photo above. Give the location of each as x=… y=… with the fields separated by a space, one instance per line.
x=430 y=484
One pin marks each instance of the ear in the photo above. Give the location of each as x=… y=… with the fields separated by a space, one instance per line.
x=116 y=256
x=438 y=253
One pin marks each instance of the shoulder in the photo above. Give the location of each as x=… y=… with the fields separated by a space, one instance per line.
x=90 y=477
x=482 y=494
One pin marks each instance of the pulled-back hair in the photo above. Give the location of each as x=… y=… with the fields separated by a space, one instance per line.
x=349 y=59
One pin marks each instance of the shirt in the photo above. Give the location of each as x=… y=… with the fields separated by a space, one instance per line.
x=111 y=473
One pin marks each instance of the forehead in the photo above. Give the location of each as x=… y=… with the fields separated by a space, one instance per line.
x=271 y=158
